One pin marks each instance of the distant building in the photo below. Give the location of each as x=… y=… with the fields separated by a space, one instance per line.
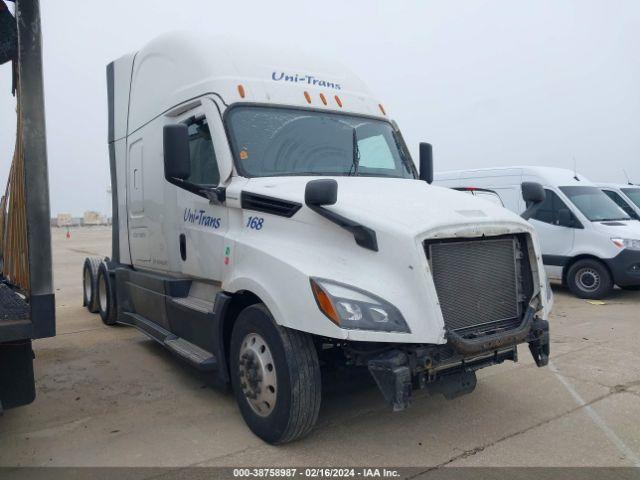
x=89 y=218
x=92 y=218
x=64 y=220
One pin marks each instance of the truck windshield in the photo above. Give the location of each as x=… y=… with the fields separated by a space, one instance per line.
x=273 y=141
x=633 y=194
x=594 y=204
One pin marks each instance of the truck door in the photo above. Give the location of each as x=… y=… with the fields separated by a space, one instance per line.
x=201 y=224
x=138 y=228
x=556 y=227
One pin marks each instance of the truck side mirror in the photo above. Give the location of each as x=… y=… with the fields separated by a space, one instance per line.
x=321 y=192
x=426 y=162
x=177 y=162
x=533 y=195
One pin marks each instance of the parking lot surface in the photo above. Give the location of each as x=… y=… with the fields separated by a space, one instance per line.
x=110 y=396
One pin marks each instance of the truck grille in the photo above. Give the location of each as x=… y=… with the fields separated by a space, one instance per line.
x=479 y=282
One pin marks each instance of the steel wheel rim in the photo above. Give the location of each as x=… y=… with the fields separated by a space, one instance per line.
x=257 y=372
x=102 y=293
x=588 y=279
x=86 y=279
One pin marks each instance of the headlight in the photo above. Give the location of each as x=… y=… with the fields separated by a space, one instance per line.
x=355 y=309
x=630 y=243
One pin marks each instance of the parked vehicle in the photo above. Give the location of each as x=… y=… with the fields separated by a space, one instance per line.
x=627 y=197
x=588 y=242
x=268 y=220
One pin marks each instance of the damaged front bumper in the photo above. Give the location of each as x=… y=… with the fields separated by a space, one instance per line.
x=450 y=369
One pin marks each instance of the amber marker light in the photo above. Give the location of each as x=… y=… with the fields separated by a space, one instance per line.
x=324 y=303
x=241 y=91
x=307 y=96
x=338 y=101
x=323 y=98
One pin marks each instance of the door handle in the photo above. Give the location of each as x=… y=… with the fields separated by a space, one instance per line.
x=183 y=247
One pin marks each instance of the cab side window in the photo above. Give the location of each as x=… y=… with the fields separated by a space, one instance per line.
x=554 y=211
x=621 y=203
x=204 y=167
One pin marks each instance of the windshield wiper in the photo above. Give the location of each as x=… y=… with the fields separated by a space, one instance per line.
x=408 y=164
x=355 y=164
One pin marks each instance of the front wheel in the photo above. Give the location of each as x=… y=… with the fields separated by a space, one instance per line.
x=589 y=279
x=275 y=375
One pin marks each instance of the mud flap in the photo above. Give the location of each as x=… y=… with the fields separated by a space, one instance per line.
x=17 y=386
x=393 y=376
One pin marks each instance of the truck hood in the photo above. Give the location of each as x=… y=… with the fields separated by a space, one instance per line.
x=411 y=206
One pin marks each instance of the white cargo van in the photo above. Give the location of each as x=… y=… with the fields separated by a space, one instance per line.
x=627 y=197
x=588 y=242
x=269 y=221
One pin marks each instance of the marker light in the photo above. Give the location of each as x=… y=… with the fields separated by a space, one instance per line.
x=307 y=96
x=354 y=309
x=382 y=109
x=323 y=98
x=324 y=303
x=338 y=101
x=241 y=91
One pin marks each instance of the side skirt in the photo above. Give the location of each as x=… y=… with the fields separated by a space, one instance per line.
x=159 y=306
x=192 y=354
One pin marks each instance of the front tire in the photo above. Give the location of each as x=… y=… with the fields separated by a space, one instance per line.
x=589 y=279
x=275 y=374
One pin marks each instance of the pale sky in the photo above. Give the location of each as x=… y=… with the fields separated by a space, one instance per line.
x=488 y=83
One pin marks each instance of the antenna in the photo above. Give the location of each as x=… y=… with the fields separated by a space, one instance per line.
x=627 y=176
x=575 y=169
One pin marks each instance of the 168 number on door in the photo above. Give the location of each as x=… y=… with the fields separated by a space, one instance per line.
x=255 y=223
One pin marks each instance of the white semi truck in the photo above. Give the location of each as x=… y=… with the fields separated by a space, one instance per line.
x=268 y=220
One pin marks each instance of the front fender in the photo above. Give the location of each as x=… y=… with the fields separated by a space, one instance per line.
x=276 y=266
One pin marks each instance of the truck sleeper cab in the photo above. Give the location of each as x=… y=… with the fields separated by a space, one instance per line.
x=269 y=222
x=588 y=241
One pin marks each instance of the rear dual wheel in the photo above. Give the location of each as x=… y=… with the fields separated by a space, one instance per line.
x=89 y=283
x=98 y=294
x=275 y=375
x=106 y=296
